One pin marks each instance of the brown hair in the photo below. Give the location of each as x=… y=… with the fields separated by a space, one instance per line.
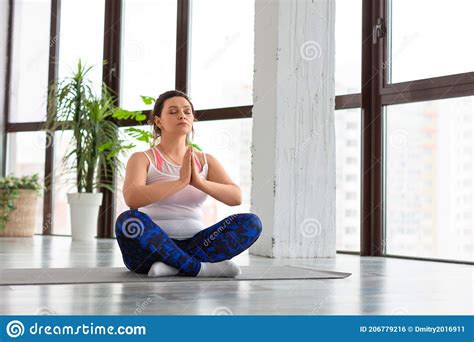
x=158 y=107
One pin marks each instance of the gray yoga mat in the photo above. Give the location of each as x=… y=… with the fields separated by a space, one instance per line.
x=46 y=276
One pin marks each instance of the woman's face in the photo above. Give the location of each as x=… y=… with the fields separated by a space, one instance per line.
x=176 y=117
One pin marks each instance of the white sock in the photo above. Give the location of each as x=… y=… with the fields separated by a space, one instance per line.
x=160 y=269
x=226 y=268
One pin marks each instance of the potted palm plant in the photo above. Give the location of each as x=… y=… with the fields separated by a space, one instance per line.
x=93 y=152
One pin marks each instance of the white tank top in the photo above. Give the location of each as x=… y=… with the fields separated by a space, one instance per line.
x=179 y=215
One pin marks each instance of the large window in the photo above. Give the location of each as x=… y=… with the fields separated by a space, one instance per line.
x=424 y=46
x=417 y=187
x=84 y=43
x=229 y=142
x=429 y=179
x=221 y=61
x=411 y=196
x=30 y=53
x=149 y=50
x=74 y=44
x=348 y=46
x=347 y=123
x=219 y=73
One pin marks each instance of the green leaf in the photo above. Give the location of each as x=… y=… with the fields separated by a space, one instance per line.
x=139 y=134
x=141 y=117
x=148 y=100
x=195 y=146
x=124 y=114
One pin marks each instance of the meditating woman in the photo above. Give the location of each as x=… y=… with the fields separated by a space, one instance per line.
x=163 y=234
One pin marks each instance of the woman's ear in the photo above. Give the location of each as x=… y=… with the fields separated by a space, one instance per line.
x=157 y=121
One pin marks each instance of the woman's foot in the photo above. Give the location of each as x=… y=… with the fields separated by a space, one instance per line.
x=226 y=268
x=160 y=269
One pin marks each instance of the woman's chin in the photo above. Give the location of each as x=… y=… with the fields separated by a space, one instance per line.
x=182 y=130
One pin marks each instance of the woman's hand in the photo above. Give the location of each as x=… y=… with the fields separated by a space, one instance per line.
x=196 y=180
x=186 y=168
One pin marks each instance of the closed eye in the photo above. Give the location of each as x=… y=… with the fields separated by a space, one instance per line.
x=187 y=112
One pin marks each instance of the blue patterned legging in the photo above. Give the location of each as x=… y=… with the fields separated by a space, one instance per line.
x=143 y=242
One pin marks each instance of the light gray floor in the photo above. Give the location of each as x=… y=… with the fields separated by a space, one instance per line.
x=377 y=286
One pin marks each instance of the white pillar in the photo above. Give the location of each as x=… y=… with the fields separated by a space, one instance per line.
x=293 y=138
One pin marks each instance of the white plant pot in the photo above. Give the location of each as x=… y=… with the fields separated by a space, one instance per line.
x=84 y=209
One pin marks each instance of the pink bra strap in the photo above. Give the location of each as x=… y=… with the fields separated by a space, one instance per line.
x=197 y=161
x=158 y=159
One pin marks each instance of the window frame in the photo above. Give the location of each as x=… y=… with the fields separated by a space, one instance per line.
x=376 y=93
x=111 y=77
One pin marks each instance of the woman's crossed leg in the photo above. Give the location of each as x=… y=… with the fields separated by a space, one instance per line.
x=143 y=243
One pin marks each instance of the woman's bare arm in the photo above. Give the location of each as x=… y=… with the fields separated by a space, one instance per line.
x=135 y=191
x=219 y=184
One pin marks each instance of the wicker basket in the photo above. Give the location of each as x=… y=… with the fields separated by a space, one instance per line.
x=22 y=220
